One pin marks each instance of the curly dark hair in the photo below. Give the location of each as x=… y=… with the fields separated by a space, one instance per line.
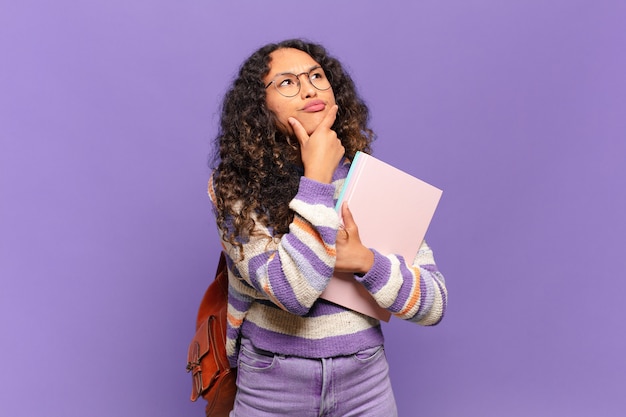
x=257 y=164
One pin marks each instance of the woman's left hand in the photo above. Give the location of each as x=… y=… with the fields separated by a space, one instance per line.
x=352 y=255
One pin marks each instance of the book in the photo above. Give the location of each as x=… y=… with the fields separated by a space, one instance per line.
x=393 y=210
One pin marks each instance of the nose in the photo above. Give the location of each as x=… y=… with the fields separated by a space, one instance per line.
x=306 y=87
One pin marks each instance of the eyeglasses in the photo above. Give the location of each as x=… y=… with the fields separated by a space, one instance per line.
x=288 y=84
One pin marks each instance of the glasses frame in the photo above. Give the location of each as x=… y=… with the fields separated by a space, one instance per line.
x=308 y=77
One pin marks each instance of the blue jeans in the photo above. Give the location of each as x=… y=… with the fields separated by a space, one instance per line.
x=344 y=386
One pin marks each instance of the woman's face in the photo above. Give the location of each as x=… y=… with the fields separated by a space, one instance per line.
x=309 y=105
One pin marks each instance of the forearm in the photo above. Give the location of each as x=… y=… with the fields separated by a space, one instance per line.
x=414 y=292
x=293 y=270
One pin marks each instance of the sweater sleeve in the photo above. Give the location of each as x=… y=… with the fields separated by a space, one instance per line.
x=293 y=270
x=415 y=292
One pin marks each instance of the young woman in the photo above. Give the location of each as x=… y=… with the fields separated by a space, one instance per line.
x=290 y=124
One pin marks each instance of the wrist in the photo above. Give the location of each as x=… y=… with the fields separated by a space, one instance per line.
x=367 y=262
x=324 y=178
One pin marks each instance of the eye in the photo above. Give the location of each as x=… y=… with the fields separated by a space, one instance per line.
x=317 y=74
x=286 y=81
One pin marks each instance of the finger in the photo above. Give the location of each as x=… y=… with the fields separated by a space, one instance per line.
x=346 y=214
x=329 y=119
x=299 y=130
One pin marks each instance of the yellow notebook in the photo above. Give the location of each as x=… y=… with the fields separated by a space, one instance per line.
x=393 y=210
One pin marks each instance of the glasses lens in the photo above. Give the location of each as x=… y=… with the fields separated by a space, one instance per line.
x=318 y=79
x=287 y=84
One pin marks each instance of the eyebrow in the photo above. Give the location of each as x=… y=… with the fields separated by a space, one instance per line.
x=289 y=72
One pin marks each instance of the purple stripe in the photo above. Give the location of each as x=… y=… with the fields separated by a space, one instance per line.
x=342 y=170
x=313 y=192
x=405 y=291
x=444 y=302
x=282 y=290
x=315 y=271
x=240 y=301
x=278 y=281
x=232 y=333
x=321 y=348
x=430 y=267
x=255 y=263
x=328 y=234
x=381 y=268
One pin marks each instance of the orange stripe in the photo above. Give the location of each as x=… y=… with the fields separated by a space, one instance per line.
x=266 y=287
x=234 y=322
x=416 y=293
x=267 y=290
x=308 y=229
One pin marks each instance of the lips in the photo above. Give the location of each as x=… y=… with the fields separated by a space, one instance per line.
x=314 y=106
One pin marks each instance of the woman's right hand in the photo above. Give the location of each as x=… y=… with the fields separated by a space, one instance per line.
x=322 y=151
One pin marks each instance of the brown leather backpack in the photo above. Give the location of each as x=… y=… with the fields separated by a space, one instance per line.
x=212 y=376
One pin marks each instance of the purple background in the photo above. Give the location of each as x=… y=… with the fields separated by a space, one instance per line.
x=517 y=109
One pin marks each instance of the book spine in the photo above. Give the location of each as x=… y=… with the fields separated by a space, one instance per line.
x=358 y=164
x=346 y=190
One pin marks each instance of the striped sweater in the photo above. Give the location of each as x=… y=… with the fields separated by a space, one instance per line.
x=274 y=290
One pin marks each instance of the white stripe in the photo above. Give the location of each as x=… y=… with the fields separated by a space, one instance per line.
x=314 y=328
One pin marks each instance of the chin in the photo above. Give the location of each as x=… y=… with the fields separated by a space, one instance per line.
x=311 y=125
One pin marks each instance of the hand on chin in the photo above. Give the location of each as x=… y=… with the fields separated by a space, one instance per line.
x=310 y=121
